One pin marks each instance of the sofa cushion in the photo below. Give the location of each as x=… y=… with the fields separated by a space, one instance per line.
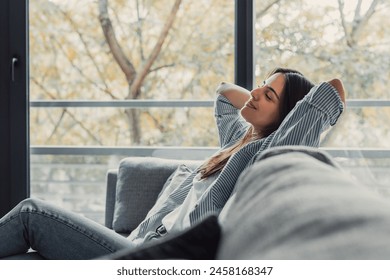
x=293 y=206
x=173 y=182
x=198 y=242
x=139 y=181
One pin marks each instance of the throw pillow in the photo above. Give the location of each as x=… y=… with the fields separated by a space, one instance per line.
x=199 y=242
x=173 y=182
x=139 y=182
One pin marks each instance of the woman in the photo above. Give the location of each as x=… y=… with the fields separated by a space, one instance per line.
x=270 y=116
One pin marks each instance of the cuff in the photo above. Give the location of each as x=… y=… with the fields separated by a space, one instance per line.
x=325 y=98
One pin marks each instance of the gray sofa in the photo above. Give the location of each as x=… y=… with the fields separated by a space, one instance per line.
x=293 y=203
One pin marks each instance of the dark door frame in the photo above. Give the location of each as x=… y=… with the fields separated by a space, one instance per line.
x=14 y=104
x=244 y=43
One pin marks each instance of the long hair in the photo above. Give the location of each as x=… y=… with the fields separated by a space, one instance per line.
x=295 y=88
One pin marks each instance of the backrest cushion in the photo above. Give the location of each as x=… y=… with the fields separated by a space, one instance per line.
x=293 y=206
x=139 y=182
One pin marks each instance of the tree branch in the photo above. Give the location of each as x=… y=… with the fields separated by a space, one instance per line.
x=84 y=128
x=265 y=10
x=82 y=72
x=156 y=122
x=359 y=22
x=344 y=24
x=139 y=32
x=141 y=75
x=357 y=10
x=116 y=16
x=116 y=50
x=52 y=96
x=56 y=126
x=162 y=66
x=86 y=47
x=40 y=85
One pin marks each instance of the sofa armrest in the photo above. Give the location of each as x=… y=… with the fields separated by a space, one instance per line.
x=133 y=189
x=112 y=175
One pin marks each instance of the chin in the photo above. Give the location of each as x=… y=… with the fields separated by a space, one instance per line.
x=243 y=113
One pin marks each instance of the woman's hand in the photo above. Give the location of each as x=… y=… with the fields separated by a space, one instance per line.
x=338 y=85
x=237 y=95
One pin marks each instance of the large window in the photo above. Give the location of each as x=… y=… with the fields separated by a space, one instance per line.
x=116 y=52
x=111 y=78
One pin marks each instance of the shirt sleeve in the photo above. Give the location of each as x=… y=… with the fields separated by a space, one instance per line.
x=318 y=110
x=231 y=126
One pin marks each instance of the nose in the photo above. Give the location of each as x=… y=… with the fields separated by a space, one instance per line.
x=255 y=93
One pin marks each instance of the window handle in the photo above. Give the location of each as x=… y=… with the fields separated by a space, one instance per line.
x=13 y=65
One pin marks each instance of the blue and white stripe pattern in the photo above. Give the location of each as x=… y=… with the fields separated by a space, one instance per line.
x=319 y=109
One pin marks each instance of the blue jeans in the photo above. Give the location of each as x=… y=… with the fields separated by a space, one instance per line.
x=55 y=233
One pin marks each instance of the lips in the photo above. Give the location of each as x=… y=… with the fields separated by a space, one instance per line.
x=250 y=105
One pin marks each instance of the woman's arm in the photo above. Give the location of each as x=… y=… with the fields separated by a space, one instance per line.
x=231 y=126
x=237 y=95
x=318 y=110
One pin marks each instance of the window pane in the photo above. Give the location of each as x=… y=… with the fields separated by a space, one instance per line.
x=329 y=39
x=72 y=59
x=325 y=40
x=72 y=182
x=141 y=55
x=91 y=127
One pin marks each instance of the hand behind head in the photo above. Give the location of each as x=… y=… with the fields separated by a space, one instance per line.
x=338 y=85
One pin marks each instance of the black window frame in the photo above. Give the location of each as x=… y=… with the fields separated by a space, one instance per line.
x=244 y=43
x=14 y=104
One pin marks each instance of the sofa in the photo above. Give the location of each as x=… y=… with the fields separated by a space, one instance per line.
x=292 y=203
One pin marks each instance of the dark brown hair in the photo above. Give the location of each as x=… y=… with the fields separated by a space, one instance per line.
x=296 y=86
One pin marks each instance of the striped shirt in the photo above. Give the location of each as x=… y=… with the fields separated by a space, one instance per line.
x=318 y=110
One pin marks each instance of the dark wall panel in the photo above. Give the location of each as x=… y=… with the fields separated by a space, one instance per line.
x=14 y=102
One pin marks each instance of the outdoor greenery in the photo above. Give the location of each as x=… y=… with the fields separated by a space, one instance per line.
x=181 y=49
x=72 y=59
x=325 y=39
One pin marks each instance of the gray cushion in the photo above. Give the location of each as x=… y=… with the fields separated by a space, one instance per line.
x=199 y=242
x=173 y=182
x=138 y=184
x=293 y=206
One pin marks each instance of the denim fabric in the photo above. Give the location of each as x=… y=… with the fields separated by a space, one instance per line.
x=55 y=233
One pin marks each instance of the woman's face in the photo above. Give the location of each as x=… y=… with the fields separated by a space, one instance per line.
x=262 y=109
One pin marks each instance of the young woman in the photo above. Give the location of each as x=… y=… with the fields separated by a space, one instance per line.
x=286 y=109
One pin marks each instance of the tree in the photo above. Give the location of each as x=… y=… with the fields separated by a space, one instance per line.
x=134 y=75
x=73 y=59
x=335 y=40
x=190 y=64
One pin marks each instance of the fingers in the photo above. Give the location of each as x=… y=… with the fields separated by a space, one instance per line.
x=338 y=85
